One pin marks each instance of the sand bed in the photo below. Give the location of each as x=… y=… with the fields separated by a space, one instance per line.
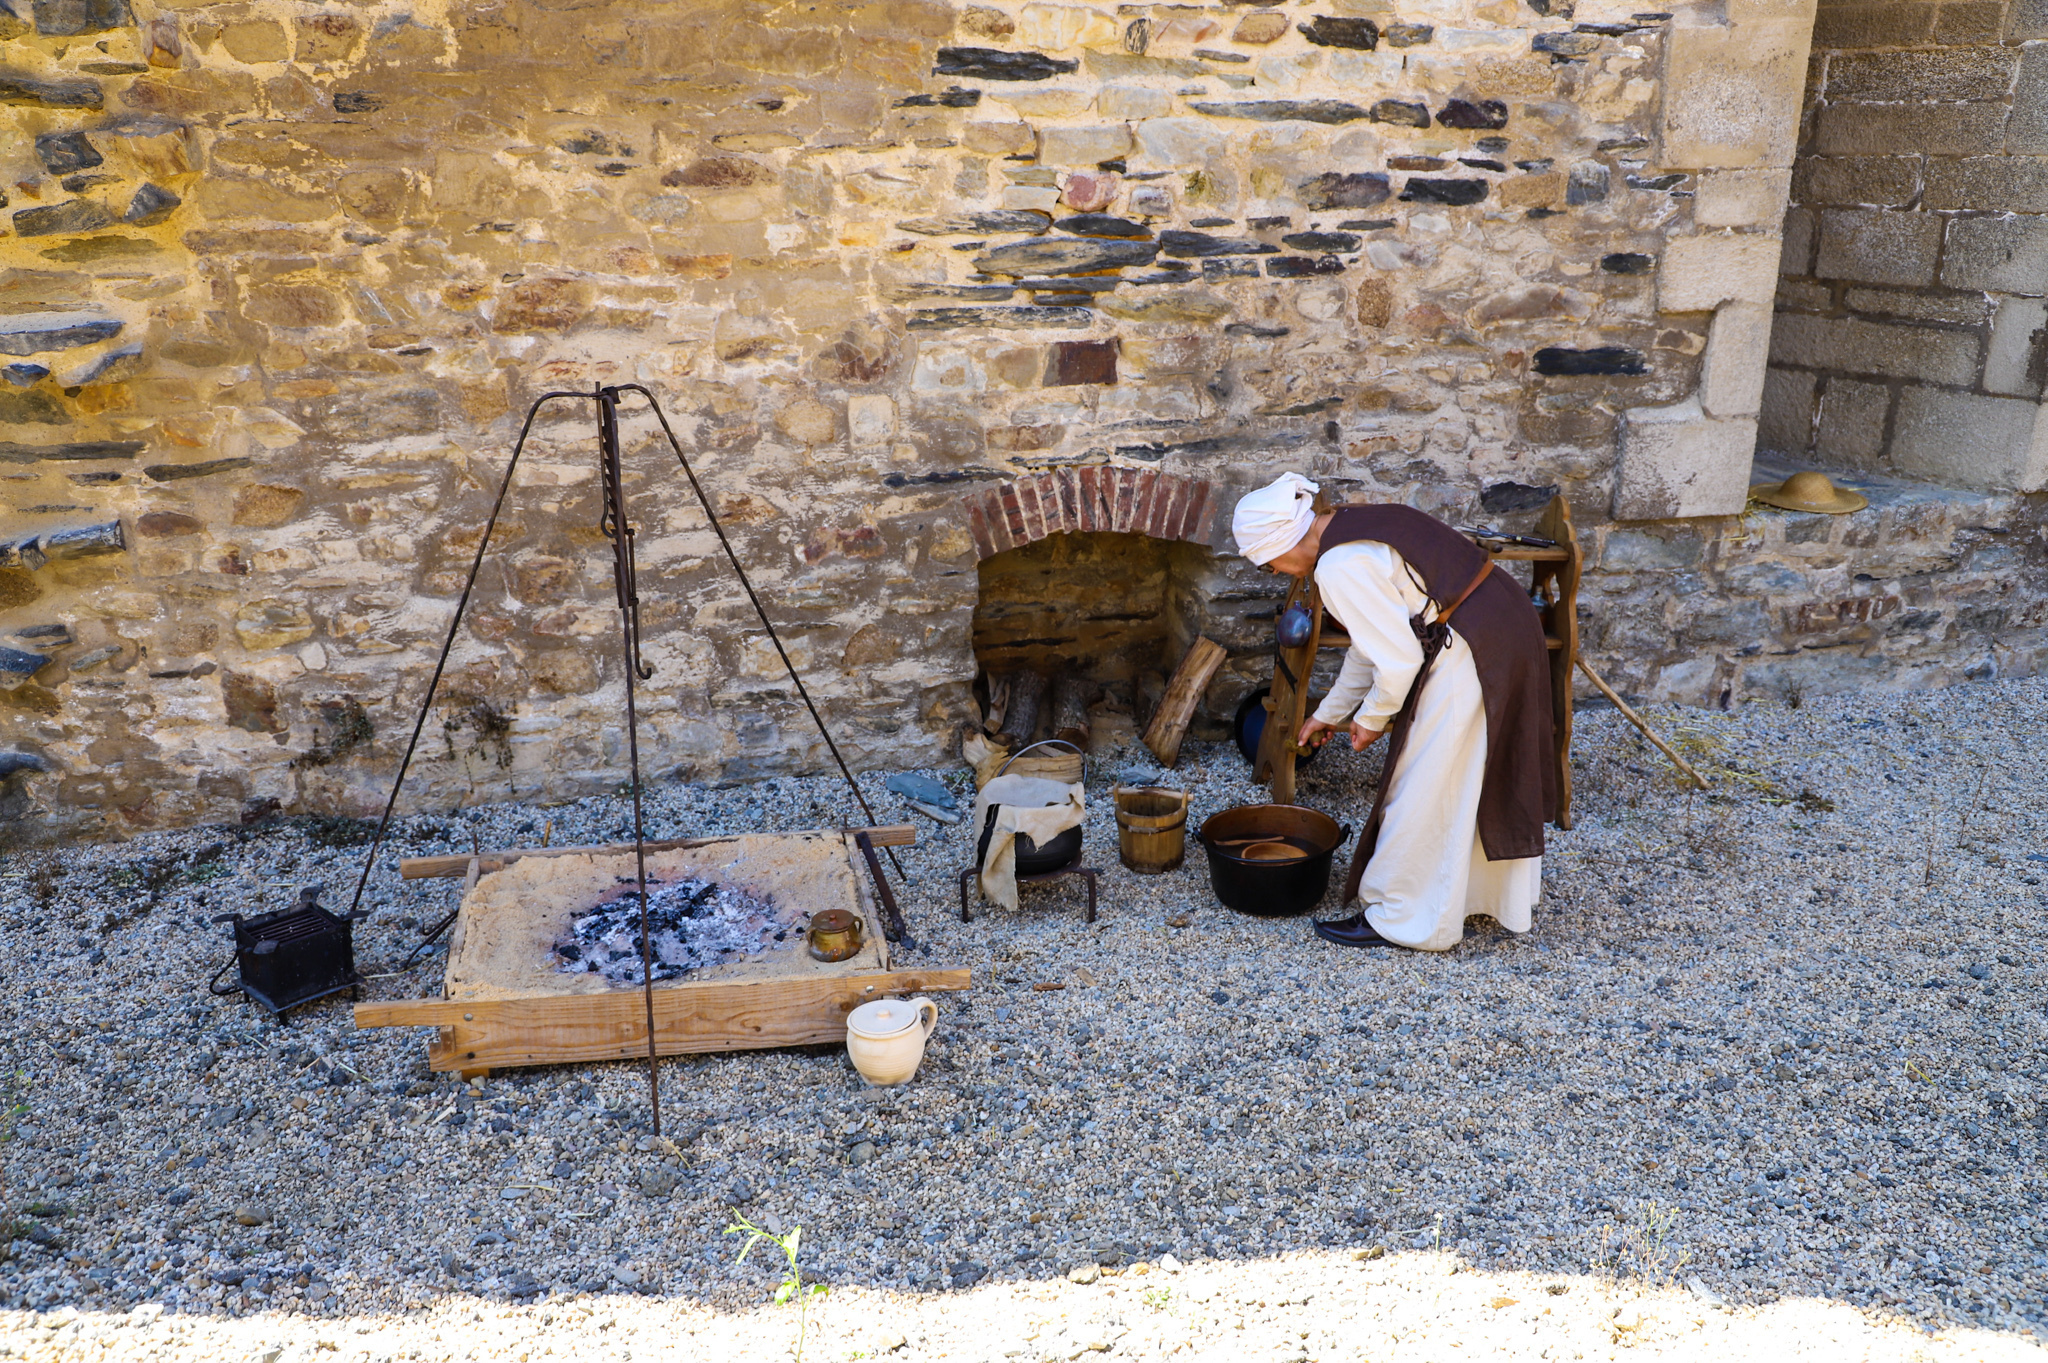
x=503 y=942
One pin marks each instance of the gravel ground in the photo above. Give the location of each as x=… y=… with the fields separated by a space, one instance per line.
x=1774 y=1049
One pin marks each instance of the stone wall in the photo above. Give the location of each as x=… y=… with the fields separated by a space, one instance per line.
x=282 y=279
x=1910 y=335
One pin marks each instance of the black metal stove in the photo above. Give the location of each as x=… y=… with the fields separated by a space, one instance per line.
x=295 y=955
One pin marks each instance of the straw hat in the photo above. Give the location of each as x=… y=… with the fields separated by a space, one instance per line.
x=1809 y=491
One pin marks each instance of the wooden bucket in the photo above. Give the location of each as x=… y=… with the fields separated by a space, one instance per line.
x=1151 y=828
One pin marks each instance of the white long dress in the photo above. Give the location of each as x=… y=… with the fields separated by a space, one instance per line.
x=1429 y=872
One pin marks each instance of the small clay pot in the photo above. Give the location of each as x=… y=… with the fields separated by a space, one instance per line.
x=885 y=1039
x=834 y=935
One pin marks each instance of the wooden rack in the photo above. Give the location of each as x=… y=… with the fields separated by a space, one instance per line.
x=1553 y=575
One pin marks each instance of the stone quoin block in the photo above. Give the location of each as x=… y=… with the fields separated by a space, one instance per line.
x=1738 y=352
x=1700 y=273
x=1878 y=246
x=1966 y=438
x=1676 y=462
x=1742 y=198
x=1731 y=95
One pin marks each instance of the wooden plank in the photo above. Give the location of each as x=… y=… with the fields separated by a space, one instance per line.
x=1183 y=693
x=431 y=868
x=564 y=1028
x=1528 y=553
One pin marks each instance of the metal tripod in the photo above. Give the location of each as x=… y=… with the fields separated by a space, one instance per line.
x=619 y=531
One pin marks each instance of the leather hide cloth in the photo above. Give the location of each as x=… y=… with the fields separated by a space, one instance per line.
x=1038 y=808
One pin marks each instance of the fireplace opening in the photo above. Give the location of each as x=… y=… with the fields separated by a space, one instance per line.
x=1077 y=632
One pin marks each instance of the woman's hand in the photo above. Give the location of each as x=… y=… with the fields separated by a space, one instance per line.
x=1362 y=737
x=1314 y=734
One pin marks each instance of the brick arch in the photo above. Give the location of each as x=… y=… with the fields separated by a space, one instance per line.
x=1134 y=501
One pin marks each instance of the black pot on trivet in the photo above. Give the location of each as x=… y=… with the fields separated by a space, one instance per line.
x=1032 y=860
x=1271 y=889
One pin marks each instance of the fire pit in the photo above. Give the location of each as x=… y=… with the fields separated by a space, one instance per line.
x=691 y=923
x=544 y=958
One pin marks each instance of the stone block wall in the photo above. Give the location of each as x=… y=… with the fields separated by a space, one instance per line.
x=1910 y=335
x=281 y=278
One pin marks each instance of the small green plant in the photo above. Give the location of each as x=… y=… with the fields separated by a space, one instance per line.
x=1159 y=1298
x=1644 y=1249
x=792 y=1288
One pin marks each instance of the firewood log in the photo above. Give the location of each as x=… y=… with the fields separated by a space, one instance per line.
x=1071 y=696
x=1027 y=699
x=1183 y=693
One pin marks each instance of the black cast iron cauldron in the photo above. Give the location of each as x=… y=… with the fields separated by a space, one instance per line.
x=1267 y=888
x=1032 y=860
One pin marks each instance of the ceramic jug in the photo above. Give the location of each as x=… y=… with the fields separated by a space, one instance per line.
x=885 y=1039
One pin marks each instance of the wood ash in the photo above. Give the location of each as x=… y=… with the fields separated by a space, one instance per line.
x=691 y=923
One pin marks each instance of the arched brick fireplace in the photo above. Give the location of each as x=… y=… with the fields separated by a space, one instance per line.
x=1101 y=577
x=1137 y=501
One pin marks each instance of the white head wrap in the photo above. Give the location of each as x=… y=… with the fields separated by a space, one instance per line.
x=1269 y=522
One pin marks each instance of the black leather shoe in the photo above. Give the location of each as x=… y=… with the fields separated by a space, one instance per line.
x=1351 y=932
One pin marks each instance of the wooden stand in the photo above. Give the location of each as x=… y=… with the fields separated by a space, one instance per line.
x=505 y=1007
x=1553 y=573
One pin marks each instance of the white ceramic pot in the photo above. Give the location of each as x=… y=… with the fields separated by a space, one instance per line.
x=885 y=1039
